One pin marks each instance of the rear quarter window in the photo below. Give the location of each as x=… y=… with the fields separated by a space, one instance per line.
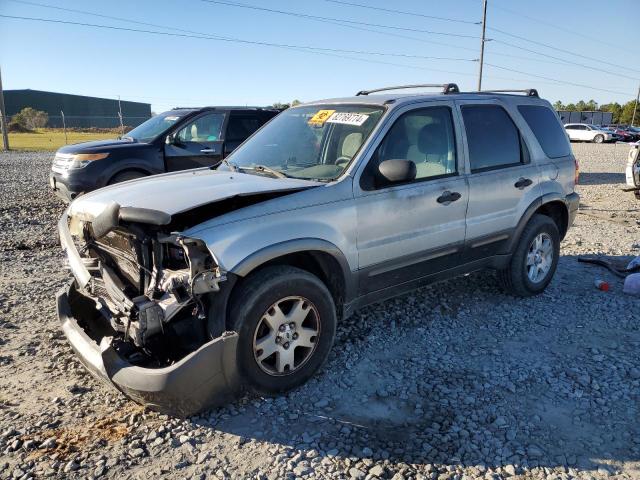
x=545 y=126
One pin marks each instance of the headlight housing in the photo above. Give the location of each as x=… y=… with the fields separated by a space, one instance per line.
x=81 y=160
x=64 y=162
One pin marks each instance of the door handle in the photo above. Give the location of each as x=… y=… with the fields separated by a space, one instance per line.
x=447 y=197
x=522 y=183
x=207 y=150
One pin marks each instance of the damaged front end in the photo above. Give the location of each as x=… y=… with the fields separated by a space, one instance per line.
x=146 y=309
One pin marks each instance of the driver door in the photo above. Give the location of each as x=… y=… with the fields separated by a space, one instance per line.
x=196 y=144
x=408 y=231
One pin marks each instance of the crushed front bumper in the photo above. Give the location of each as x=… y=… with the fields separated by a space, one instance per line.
x=205 y=378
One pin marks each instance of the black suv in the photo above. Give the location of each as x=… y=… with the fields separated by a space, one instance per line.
x=179 y=139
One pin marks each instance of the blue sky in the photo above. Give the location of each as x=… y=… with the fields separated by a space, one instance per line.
x=170 y=71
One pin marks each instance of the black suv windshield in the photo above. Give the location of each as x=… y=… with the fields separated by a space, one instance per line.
x=313 y=142
x=147 y=131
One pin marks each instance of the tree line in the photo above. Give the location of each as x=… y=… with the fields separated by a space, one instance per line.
x=621 y=113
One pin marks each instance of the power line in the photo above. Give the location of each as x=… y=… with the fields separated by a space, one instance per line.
x=565 y=60
x=555 y=47
x=305 y=49
x=506 y=43
x=412 y=14
x=332 y=19
x=236 y=40
x=544 y=22
x=396 y=35
x=555 y=79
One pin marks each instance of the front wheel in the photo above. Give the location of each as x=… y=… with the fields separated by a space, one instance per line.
x=286 y=322
x=534 y=260
x=598 y=139
x=126 y=176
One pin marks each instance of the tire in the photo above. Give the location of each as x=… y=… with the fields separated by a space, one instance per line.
x=125 y=176
x=516 y=278
x=598 y=139
x=254 y=316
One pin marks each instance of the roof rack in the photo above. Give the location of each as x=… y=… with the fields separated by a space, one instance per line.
x=446 y=88
x=529 y=92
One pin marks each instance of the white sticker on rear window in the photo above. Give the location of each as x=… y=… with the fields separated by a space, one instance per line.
x=171 y=119
x=348 y=118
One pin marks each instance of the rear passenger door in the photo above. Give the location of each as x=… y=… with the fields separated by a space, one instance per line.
x=502 y=180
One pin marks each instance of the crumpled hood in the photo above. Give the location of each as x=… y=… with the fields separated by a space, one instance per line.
x=178 y=192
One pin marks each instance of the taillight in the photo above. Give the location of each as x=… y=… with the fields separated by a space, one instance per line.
x=577 y=174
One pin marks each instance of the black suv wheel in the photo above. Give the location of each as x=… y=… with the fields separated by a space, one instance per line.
x=534 y=260
x=286 y=321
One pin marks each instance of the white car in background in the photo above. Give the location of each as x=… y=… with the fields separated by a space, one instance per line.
x=581 y=132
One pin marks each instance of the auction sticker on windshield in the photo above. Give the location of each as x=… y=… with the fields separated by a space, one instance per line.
x=348 y=118
x=320 y=117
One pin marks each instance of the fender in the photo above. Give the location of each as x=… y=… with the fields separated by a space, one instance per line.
x=244 y=267
x=531 y=209
x=126 y=164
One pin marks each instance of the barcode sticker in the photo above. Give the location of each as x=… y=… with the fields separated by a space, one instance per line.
x=347 y=118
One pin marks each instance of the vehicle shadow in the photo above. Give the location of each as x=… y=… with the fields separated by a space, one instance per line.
x=601 y=178
x=461 y=374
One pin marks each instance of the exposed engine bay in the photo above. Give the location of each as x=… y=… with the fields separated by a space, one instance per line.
x=152 y=287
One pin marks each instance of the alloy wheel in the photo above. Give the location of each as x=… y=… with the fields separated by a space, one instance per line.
x=286 y=336
x=539 y=257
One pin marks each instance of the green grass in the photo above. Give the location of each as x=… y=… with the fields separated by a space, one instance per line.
x=50 y=139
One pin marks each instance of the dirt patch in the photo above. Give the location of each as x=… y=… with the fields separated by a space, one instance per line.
x=87 y=435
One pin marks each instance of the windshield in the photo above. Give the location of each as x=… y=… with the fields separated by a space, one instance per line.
x=311 y=142
x=147 y=131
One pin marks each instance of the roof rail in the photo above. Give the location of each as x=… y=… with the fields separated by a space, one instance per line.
x=446 y=88
x=529 y=92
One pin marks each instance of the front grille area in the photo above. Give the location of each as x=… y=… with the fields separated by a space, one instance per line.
x=61 y=162
x=123 y=253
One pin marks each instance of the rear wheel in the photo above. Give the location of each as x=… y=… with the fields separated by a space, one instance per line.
x=598 y=139
x=534 y=260
x=125 y=176
x=286 y=321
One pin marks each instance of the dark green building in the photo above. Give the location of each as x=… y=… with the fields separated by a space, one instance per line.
x=79 y=111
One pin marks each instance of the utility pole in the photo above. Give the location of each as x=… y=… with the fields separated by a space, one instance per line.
x=482 y=41
x=633 y=119
x=3 y=120
x=120 y=116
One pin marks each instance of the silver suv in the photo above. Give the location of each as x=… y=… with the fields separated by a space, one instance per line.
x=633 y=171
x=190 y=286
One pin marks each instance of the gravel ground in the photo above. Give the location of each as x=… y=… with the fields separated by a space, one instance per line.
x=454 y=381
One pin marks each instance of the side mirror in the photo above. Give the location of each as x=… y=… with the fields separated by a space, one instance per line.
x=397 y=170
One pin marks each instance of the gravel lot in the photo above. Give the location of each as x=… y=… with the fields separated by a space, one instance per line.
x=455 y=381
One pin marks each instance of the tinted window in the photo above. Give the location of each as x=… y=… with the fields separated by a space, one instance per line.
x=492 y=137
x=241 y=127
x=547 y=130
x=425 y=137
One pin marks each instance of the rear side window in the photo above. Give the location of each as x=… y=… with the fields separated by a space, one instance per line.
x=492 y=137
x=547 y=130
x=242 y=127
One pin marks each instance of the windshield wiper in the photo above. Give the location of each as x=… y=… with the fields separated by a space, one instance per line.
x=265 y=169
x=232 y=166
